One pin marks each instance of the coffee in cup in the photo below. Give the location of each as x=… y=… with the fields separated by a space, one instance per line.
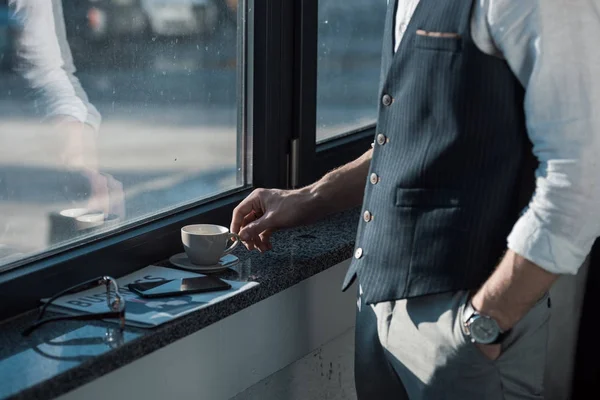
x=205 y=244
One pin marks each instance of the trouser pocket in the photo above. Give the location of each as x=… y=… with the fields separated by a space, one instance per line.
x=522 y=360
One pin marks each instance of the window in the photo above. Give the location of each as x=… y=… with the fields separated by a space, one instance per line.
x=122 y=121
x=113 y=113
x=349 y=52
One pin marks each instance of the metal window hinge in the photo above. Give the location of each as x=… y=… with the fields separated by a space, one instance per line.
x=294 y=163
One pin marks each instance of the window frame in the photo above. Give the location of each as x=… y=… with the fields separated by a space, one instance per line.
x=316 y=159
x=276 y=139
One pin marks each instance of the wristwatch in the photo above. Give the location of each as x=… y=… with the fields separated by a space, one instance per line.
x=481 y=328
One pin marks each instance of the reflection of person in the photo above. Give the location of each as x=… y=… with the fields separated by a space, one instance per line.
x=464 y=85
x=44 y=59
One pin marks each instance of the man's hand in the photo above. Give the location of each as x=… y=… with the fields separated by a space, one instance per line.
x=264 y=210
x=79 y=153
x=77 y=141
x=106 y=193
x=512 y=290
x=491 y=351
x=267 y=210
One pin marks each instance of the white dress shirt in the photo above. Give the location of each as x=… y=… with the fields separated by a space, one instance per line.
x=44 y=60
x=552 y=48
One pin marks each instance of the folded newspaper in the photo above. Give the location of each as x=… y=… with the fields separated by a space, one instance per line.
x=146 y=313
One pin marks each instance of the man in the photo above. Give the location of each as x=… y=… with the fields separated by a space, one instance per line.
x=465 y=87
x=43 y=58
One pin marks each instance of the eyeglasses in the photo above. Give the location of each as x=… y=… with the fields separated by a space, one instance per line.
x=114 y=300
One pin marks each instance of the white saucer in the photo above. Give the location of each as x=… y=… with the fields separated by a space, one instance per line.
x=181 y=260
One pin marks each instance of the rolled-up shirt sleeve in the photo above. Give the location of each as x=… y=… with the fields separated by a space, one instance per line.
x=557 y=58
x=94 y=117
x=44 y=60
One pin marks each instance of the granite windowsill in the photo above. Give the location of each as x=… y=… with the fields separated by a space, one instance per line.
x=63 y=356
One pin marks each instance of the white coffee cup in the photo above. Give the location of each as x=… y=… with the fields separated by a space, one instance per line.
x=71 y=223
x=205 y=244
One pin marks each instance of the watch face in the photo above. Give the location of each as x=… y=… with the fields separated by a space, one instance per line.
x=484 y=330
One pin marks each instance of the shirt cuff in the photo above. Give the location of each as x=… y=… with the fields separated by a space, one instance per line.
x=64 y=110
x=532 y=239
x=94 y=118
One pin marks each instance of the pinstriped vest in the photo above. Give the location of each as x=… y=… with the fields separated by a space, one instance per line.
x=451 y=148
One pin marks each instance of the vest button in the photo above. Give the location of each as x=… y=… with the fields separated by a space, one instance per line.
x=367 y=216
x=387 y=100
x=374 y=178
x=381 y=139
x=358 y=253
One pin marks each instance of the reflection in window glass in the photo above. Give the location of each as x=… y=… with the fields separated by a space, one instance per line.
x=350 y=35
x=111 y=112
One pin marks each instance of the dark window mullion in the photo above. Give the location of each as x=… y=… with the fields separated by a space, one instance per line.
x=306 y=24
x=270 y=122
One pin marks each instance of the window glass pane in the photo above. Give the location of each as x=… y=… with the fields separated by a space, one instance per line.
x=112 y=112
x=350 y=35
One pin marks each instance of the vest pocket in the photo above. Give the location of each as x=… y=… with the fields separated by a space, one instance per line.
x=435 y=213
x=444 y=43
x=429 y=198
x=439 y=223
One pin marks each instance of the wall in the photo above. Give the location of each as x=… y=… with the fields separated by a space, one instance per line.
x=325 y=374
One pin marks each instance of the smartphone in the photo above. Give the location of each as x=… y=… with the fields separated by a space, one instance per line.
x=178 y=287
x=143 y=286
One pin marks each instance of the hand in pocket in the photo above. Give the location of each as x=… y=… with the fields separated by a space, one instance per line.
x=490 y=351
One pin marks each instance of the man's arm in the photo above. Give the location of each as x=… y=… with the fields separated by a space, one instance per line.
x=264 y=211
x=512 y=290
x=558 y=68
x=342 y=188
x=94 y=118
x=44 y=59
x=39 y=61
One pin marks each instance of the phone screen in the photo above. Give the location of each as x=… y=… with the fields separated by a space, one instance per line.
x=187 y=285
x=143 y=286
